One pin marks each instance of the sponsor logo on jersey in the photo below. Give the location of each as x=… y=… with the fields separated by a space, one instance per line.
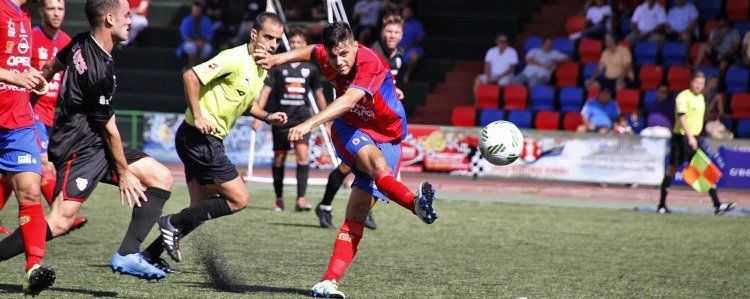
x=344 y=237
x=305 y=72
x=23 y=45
x=363 y=112
x=355 y=141
x=9 y=46
x=104 y=100
x=11 y=29
x=18 y=60
x=78 y=60
x=23 y=220
x=284 y=73
x=42 y=53
x=81 y=183
x=212 y=66
x=26 y=159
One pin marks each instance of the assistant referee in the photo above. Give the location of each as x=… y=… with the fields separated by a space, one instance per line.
x=690 y=107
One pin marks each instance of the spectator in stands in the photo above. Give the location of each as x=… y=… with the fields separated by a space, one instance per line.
x=745 y=53
x=598 y=17
x=714 y=99
x=499 y=64
x=660 y=113
x=412 y=42
x=647 y=22
x=138 y=13
x=682 y=22
x=722 y=45
x=615 y=68
x=366 y=14
x=197 y=34
x=540 y=63
x=216 y=11
x=242 y=34
x=600 y=113
x=622 y=127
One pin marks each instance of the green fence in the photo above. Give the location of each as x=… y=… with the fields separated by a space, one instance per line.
x=130 y=123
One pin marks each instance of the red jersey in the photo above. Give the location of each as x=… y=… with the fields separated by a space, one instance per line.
x=46 y=48
x=135 y=3
x=380 y=113
x=15 y=55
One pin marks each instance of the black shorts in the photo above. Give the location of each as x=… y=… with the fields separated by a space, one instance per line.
x=680 y=151
x=203 y=156
x=281 y=139
x=77 y=177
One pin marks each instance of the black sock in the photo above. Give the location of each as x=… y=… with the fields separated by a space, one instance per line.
x=12 y=245
x=665 y=183
x=714 y=197
x=303 y=172
x=278 y=180
x=335 y=179
x=188 y=220
x=143 y=219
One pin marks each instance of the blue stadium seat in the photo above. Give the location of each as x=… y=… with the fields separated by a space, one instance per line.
x=571 y=99
x=710 y=71
x=531 y=42
x=588 y=70
x=520 y=118
x=542 y=97
x=649 y=96
x=741 y=28
x=709 y=9
x=728 y=122
x=489 y=115
x=743 y=128
x=625 y=27
x=737 y=79
x=564 y=45
x=674 y=53
x=645 y=53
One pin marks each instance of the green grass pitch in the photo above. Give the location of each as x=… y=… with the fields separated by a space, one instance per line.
x=474 y=249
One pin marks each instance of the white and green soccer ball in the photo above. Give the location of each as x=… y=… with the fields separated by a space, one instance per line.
x=500 y=142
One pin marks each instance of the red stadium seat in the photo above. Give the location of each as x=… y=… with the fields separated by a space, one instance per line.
x=710 y=25
x=572 y=120
x=651 y=76
x=464 y=116
x=567 y=74
x=575 y=24
x=487 y=96
x=694 y=55
x=515 y=97
x=628 y=99
x=678 y=78
x=737 y=10
x=589 y=50
x=740 y=105
x=547 y=120
x=592 y=92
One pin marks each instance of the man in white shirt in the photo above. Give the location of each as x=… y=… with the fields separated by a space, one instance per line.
x=499 y=64
x=682 y=21
x=540 y=63
x=598 y=19
x=647 y=22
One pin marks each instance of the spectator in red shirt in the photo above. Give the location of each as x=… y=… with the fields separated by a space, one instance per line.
x=138 y=15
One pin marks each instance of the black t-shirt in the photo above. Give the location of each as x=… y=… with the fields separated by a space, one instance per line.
x=291 y=86
x=85 y=99
x=395 y=61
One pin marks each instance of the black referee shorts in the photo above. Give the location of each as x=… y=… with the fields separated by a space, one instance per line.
x=680 y=151
x=281 y=139
x=203 y=156
x=78 y=176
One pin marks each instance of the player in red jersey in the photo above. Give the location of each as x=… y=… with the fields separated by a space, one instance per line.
x=369 y=125
x=47 y=40
x=20 y=160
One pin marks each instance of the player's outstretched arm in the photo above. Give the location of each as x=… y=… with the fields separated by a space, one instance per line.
x=338 y=107
x=276 y=118
x=192 y=90
x=130 y=187
x=268 y=60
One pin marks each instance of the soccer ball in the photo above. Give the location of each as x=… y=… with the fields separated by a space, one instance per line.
x=501 y=143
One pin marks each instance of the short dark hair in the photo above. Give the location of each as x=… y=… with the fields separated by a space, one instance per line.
x=699 y=74
x=336 y=33
x=393 y=18
x=298 y=32
x=96 y=9
x=264 y=17
x=43 y=3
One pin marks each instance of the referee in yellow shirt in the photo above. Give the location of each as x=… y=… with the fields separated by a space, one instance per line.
x=690 y=107
x=218 y=92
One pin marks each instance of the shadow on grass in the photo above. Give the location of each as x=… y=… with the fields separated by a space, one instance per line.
x=17 y=289
x=297 y=224
x=244 y=289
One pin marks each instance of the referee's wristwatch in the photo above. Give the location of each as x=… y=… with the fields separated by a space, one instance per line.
x=265 y=118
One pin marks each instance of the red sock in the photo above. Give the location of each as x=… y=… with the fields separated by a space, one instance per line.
x=34 y=230
x=48 y=185
x=344 y=249
x=395 y=190
x=5 y=191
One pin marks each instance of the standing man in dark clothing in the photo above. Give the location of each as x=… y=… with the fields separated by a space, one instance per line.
x=288 y=87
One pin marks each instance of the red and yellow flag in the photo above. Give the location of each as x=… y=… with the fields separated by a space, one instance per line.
x=701 y=174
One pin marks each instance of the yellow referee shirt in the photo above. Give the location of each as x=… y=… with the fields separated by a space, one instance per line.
x=230 y=83
x=693 y=106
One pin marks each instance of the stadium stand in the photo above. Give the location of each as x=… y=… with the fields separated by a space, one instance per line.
x=542 y=97
x=571 y=99
x=487 y=116
x=547 y=120
x=514 y=97
x=521 y=118
x=650 y=76
x=464 y=116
